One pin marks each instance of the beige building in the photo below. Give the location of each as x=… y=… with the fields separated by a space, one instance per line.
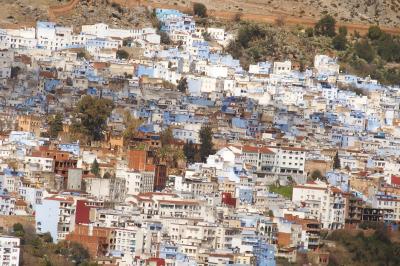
x=29 y=123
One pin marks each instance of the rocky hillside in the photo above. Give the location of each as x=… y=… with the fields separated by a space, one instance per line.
x=24 y=11
x=126 y=12
x=27 y=12
x=105 y=11
x=383 y=12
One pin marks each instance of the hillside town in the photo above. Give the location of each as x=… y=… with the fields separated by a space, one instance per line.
x=156 y=147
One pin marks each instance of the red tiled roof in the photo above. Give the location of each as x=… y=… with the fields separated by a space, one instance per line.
x=99 y=65
x=265 y=150
x=47 y=74
x=253 y=149
x=336 y=190
x=250 y=149
x=20 y=203
x=68 y=199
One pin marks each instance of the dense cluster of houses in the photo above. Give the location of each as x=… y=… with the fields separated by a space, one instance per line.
x=331 y=139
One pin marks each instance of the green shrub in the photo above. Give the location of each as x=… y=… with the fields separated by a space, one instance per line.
x=250 y=32
x=343 y=30
x=339 y=42
x=309 y=32
x=200 y=10
x=374 y=32
x=122 y=54
x=365 y=50
x=325 y=26
x=388 y=48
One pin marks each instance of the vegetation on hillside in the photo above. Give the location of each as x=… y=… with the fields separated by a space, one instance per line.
x=168 y=152
x=132 y=125
x=261 y=42
x=200 y=10
x=40 y=250
x=122 y=54
x=90 y=117
x=377 y=54
x=55 y=125
x=363 y=249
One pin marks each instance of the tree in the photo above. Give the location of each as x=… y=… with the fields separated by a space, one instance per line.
x=373 y=249
x=90 y=117
x=237 y=17
x=78 y=253
x=392 y=76
x=95 y=169
x=18 y=229
x=55 y=125
x=343 y=30
x=122 y=54
x=336 y=161
x=365 y=50
x=47 y=262
x=82 y=55
x=316 y=174
x=154 y=20
x=206 y=144
x=249 y=32
x=197 y=157
x=206 y=36
x=178 y=155
x=15 y=71
x=182 y=85
x=131 y=126
x=200 y=10
x=127 y=41
x=47 y=238
x=107 y=175
x=164 y=38
x=325 y=26
x=309 y=32
x=189 y=149
x=388 y=48
x=164 y=154
x=339 y=42
x=85 y=263
x=69 y=81
x=374 y=32
x=166 y=137
x=302 y=66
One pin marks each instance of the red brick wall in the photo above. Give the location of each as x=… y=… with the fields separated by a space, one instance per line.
x=137 y=159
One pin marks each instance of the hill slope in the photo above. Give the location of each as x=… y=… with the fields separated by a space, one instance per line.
x=383 y=12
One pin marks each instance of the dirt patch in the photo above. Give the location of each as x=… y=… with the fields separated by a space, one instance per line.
x=25 y=12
